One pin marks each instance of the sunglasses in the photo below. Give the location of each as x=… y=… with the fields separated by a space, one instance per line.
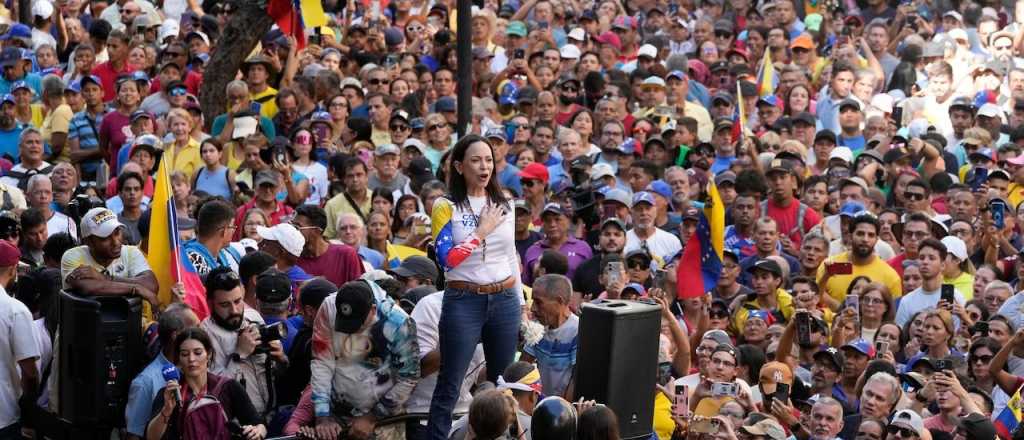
x=903 y=432
x=570 y=89
x=435 y=127
x=179 y=92
x=913 y=196
x=984 y=359
x=719 y=313
x=399 y=127
x=522 y=127
x=723 y=34
x=638 y=265
x=529 y=183
x=378 y=81
x=414 y=29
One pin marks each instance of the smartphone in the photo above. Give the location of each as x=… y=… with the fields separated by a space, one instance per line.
x=519 y=54
x=542 y=25
x=839 y=268
x=981 y=328
x=980 y=176
x=723 y=389
x=682 y=401
x=803 y=328
x=280 y=156
x=998 y=209
x=880 y=348
x=853 y=302
x=321 y=133
x=781 y=392
x=947 y=294
x=613 y=272
x=897 y=116
x=943 y=364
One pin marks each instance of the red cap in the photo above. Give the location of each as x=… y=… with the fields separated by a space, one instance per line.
x=535 y=171
x=9 y=255
x=609 y=37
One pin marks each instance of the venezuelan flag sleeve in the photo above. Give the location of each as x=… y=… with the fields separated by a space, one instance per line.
x=1010 y=417
x=450 y=253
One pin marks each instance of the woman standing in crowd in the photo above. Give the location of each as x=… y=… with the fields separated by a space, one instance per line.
x=112 y=134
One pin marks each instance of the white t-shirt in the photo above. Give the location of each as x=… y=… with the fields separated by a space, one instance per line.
x=316 y=173
x=494 y=260
x=427 y=315
x=662 y=244
x=18 y=334
x=920 y=299
x=130 y=264
x=61 y=223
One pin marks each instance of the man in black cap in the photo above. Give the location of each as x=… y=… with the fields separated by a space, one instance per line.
x=273 y=289
x=416 y=271
x=612 y=240
x=803 y=128
x=850 y=118
x=358 y=317
x=766 y=280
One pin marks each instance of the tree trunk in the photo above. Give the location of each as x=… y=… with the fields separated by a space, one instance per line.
x=247 y=25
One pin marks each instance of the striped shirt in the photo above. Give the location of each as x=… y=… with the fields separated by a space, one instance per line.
x=87 y=134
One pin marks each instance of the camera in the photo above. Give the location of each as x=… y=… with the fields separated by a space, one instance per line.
x=79 y=205
x=269 y=333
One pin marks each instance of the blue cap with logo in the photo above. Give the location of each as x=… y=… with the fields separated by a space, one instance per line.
x=643 y=197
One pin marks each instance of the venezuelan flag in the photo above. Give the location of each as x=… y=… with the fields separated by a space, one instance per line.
x=739 y=119
x=767 y=80
x=1010 y=417
x=165 y=249
x=441 y=229
x=702 y=257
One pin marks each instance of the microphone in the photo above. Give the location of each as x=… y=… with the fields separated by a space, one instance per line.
x=170 y=372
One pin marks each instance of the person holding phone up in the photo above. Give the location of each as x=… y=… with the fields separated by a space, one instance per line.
x=836 y=273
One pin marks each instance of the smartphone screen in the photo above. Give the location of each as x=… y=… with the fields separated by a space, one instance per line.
x=781 y=392
x=998 y=209
x=948 y=294
x=839 y=268
x=681 y=400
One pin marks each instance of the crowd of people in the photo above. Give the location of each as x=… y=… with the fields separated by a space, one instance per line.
x=372 y=269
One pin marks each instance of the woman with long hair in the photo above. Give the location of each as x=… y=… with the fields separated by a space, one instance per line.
x=112 y=132
x=404 y=208
x=978 y=357
x=876 y=308
x=194 y=355
x=937 y=334
x=597 y=422
x=483 y=295
x=301 y=152
x=799 y=99
x=254 y=218
x=378 y=231
x=339 y=109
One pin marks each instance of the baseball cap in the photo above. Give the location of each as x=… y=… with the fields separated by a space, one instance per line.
x=773 y=373
x=653 y=81
x=909 y=419
x=619 y=195
x=803 y=41
x=841 y=153
x=849 y=102
x=767 y=427
x=855 y=180
x=990 y=110
x=352 y=305
x=9 y=255
x=636 y=287
x=647 y=50
x=783 y=165
x=833 y=355
x=577 y=34
x=417 y=265
x=516 y=28
x=386 y=149
x=768 y=265
x=643 y=197
x=717 y=335
x=805 y=118
x=725 y=177
x=285 y=235
x=139 y=114
x=600 y=170
x=825 y=134
x=554 y=208
x=609 y=38
x=955 y=246
x=570 y=52
x=20 y=85
x=495 y=133
x=42 y=9
x=264 y=177
x=722 y=95
x=535 y=171
x=661 y=188
x=99 y=222
x=614 y=221
x=862 y=346
x=851 y=209
x=445 y=104
x=273 y=286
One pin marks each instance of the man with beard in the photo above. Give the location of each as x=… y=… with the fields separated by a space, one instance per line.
x=611 y=241
x=864 y=229
x=232 y=327
x=10 y=129
x=569 y=89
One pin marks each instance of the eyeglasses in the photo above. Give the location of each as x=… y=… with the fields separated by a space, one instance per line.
x=529 y=183
x=570 y=89
x=722 y=362
x=641 y=130
x=913 y=196
x=611 y=133
x=916 y=234
x=723 y=34
x=399 y=127
x=435 y=127
x=522 y=127
x=174 y=53
x=638 y=265
x=179 y=92
x=872 y=300
x=379 y=81
x=902 y=432
x=338 y=105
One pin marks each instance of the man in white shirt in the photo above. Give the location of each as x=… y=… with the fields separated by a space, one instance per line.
x=30 y=153
x=19 y=353
x=40 y=196
x=931 y=255
x=645 y=234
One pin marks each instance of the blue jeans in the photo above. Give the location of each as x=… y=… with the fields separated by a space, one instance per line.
x=468 y=318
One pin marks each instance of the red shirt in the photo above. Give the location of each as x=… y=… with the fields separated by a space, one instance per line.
x=787 y=221
x=340 y=264
x=108 y=76
x=897 y=263
x=275 y=217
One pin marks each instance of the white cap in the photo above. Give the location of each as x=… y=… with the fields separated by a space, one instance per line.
x=990 y=110
x=600 y=170
x=578 y=34
x=99 y=222
x=955 y=246
x=351 y=81
x=285 y=235
x=958 y=34
x=843 y=153
x=647 y=50
x=570 y=52
x=202 y=35
x=415 y=143
x=883 y=102
x=42 y=8
x=653 y=81
x=244 y=126
x=169 y=28
x=955 y=15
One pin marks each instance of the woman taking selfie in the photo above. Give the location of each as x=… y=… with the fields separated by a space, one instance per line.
x=194 y=354
x=482 y=298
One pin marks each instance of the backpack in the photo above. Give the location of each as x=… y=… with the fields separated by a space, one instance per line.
x=205 y=417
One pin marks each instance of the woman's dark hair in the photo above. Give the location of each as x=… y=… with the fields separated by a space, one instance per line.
x=903 y=78
x=399 y=222
x=442 y=169
x=212 y=141
x=882 y=424
x=383 y=193
x=985 y=342
x=977 y=302
x=789 y=94
x=854 y=281
x=457 y=184
x=194 y=333
x=597 y=423
x=752 y=357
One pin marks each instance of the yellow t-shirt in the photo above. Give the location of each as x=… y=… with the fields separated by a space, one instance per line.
x=266 y=100
x=58 y=121
x=785 y=305
x=1015 y=193
x=37 y=116
x=664 y=426
x=964 y=283
x=186 y=160
x=878 y=271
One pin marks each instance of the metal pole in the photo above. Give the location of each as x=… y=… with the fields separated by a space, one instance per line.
x=464 y=48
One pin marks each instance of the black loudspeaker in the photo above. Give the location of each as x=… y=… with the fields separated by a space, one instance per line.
x=100 y=351
x=617 y=362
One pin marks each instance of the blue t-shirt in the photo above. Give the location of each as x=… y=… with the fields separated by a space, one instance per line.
x=556 y=355
x=855 y=143
x=372 y=256
x=292 y=330
x=33 y=80
x=722 y=164
x=9 y=143
x=87 y=135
